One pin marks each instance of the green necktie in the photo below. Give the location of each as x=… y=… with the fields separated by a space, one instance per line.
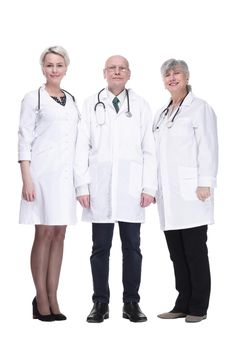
x=115 y=102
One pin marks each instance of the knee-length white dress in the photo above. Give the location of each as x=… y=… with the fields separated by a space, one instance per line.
x=47 y=138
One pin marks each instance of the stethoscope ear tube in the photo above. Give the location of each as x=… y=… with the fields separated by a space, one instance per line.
x=99 y=103
x=128 y=113
x=38 y=103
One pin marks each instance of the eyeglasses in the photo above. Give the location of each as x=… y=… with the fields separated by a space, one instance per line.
x=113 y=69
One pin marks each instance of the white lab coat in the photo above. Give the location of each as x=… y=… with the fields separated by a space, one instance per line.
x=187 y=156
x=115 y=161
x=47 y=140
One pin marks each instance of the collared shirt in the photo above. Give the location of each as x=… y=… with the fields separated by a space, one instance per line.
x=121 y=97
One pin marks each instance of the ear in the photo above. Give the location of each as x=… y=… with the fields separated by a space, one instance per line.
x=104 y=73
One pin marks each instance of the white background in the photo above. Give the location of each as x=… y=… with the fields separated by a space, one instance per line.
x=147 y=32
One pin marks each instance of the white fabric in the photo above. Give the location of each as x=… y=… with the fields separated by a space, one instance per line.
x=47 y=140
x=116 y=159
x=187 y=155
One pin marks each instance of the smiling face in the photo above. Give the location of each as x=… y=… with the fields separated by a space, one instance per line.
x=176 y=80
x=117 y=73
x=54 y=68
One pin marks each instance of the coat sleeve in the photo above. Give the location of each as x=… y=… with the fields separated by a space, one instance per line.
x=205 y=126
x=26 y=127
x=149 y=183
x=83 y=145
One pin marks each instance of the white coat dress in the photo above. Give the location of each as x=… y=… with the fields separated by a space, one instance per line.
x=187 y=155
x=47 y=139
x=115 y=159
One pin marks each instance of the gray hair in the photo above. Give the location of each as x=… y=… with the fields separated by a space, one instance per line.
x=57 y=50
x=172 y=64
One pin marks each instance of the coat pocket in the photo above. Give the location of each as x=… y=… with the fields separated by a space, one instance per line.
x=188 y=183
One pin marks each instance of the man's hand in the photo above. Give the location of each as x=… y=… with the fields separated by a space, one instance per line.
x=146 y=200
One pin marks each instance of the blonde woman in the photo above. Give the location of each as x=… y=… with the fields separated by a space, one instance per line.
x=47 y=139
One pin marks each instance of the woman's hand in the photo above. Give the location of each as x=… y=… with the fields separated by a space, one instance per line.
x=84 y=201
x=203 y=193
x=28 y=191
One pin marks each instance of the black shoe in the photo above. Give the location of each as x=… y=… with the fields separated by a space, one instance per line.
x=58 y=317
x=38 y=316
x=99 y=313
x=132 y=312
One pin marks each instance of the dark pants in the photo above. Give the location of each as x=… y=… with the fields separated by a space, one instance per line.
x=189 y=254
x=102 y=235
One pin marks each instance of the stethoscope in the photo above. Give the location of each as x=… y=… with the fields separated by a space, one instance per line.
x=164 y=113
x=38 y=103
x=101 y=121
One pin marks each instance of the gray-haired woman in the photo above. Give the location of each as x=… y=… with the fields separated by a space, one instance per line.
x=185 y=134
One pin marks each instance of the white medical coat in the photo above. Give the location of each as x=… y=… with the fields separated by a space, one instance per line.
x=187 y=155
x=47 y=139
x=115 y=161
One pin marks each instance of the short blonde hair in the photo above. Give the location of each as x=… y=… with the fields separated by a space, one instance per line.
x=57 y=50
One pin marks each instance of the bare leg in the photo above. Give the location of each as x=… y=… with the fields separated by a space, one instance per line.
x=54 y=267
x=39 y=265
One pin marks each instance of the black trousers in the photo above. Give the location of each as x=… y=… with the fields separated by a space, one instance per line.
x=189 y=254
x=102 y=234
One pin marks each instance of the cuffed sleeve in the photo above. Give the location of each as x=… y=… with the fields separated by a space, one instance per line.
x=149 y=191
x=82 y=191
x=81 y=164
x=205 y=125
x=149 y=158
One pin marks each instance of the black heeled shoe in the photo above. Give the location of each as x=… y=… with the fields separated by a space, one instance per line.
x=36 y=315
x=58 y=317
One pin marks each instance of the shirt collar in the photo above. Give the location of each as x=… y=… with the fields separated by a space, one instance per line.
x=121 y=96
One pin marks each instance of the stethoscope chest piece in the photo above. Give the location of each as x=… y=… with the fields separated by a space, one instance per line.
x=169 y=124
x=128 y=114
